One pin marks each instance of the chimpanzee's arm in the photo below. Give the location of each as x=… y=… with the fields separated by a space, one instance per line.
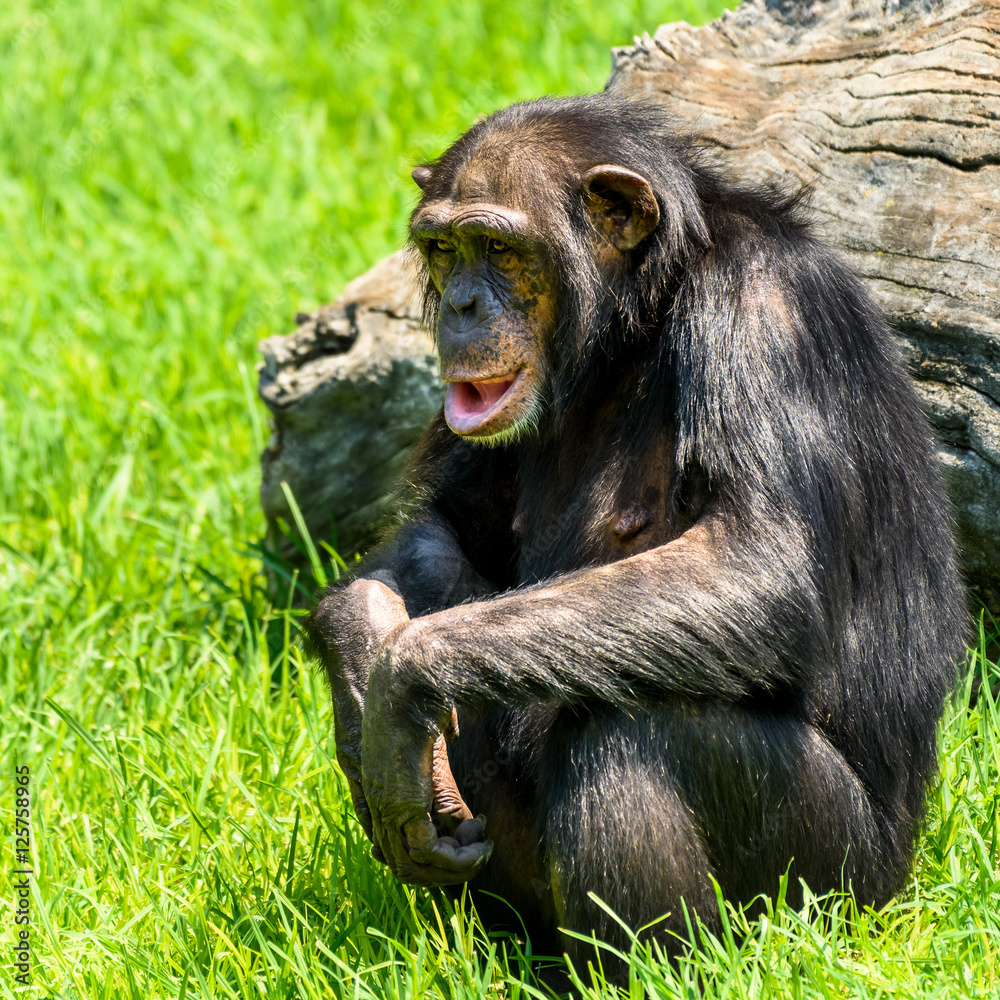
x=425 y=564
x=353 y=625
x=695 y=617
x=420 y=569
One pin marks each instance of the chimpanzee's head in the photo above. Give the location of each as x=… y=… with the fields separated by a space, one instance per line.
x=540 y=229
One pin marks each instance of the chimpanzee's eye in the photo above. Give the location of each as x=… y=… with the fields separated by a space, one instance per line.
x=496 y=246
x=441 y=246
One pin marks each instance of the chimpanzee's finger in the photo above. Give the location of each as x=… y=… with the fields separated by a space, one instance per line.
x=448 y=863
x=471 y=831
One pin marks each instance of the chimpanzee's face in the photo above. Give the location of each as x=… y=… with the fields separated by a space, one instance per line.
x=493 y=239
x=499 y=291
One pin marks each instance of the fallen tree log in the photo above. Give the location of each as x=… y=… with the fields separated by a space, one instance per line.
x=891 y=118
x=350 y=392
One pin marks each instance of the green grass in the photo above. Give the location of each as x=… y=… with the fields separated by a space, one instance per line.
x=176 y=180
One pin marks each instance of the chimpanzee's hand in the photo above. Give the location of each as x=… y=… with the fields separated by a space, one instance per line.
x=355 y=622
x=425 y=831
x=358 y=624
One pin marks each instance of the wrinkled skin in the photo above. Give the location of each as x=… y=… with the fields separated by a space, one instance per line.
x=498 y=288
x=487 y=285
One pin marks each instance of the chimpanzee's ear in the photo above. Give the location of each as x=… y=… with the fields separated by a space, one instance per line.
x=621 y=204
x=422 y=177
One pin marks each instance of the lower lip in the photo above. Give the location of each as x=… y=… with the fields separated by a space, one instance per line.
x=464 y=407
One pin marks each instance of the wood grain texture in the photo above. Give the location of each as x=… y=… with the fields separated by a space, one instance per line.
x=350 y=392
x=892 y=118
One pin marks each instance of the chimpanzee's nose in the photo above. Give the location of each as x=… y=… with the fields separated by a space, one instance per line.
x=461 y=296
x=468 y=302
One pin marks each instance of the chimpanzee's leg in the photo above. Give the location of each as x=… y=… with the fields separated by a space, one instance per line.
x=640 y=809
x=496 y=763
x=616 y=826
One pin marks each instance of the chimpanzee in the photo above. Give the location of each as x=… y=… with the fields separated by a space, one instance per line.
x=674 y=598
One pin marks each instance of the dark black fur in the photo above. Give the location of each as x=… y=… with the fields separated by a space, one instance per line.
x=763 y=697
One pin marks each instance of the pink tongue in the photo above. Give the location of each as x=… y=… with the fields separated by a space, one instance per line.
x=474 y=398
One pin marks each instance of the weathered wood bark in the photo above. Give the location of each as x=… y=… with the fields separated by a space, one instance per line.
x=892 y=117
x=350 y=393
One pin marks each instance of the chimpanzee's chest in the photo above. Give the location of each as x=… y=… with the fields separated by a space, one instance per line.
x=588 y=501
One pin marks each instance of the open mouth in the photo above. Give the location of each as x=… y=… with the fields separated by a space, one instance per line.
x=469 y=406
